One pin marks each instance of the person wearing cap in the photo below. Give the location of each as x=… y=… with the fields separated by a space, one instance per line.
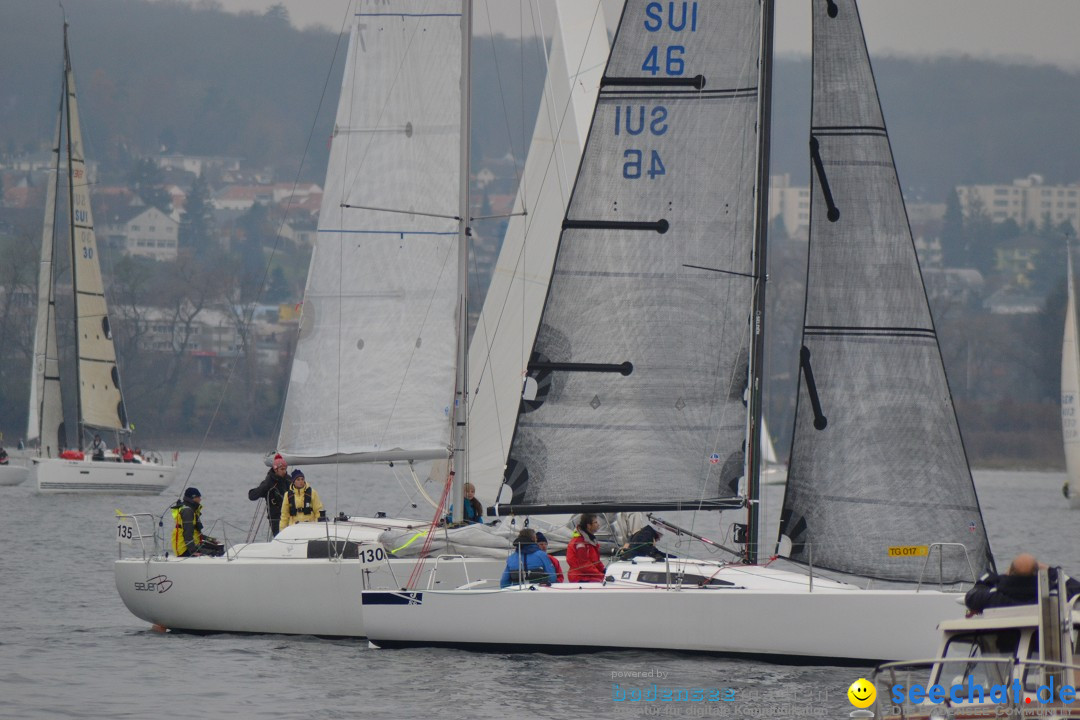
x=301 y=504
x=188 y=539
x=541 y=541
x=273 y=489
x=527 y=563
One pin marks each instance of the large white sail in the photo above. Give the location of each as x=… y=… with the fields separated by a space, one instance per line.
x=100 y=403
x=46 y=406
x=373 y=374
x=1070 y=395
x=502 y=341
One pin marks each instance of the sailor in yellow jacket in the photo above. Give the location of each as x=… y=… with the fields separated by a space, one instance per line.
x=301 y=503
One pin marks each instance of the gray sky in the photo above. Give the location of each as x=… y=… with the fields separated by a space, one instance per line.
x=1026 y=30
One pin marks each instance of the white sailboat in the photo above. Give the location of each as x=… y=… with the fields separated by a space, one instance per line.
x=13 y=471
x=99 y=399
x=1070 y=395
x=650 y=342
x=380 y=346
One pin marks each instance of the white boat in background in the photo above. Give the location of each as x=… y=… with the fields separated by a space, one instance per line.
x=374 y=376
x=1070 y=394
x=99 y=399
x=14 y=471
x=648 y=371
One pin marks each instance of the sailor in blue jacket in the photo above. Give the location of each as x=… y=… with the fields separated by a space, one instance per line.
x=537 y=565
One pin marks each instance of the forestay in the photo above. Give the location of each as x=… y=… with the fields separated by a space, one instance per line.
x=373 y=374
x=877 y=461
x=637 y=377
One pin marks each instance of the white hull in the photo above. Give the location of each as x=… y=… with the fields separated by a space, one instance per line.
x=89 y=476
x=13 y=474
x=273 y=587
x=764 y=613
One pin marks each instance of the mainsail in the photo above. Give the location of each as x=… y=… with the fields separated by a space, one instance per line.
x=373 y=374
x=635 y=394
x=877 y=469
x=46 y=414
x=101 y=404
x=502 y=341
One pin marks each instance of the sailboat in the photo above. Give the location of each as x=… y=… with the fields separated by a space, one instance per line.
x=381 y=340
x=648 y=369
x=99 y=399
x=1070 y=395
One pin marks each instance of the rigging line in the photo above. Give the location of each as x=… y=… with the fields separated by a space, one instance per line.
x=752 y=276
x=266 y=273
x=401 y=212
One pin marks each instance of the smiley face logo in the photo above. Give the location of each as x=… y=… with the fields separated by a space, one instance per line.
x=862 y=693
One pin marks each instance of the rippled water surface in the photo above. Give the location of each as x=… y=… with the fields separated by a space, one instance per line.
x=69 y=647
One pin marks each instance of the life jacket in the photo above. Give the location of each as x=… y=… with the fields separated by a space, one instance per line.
x=306 y=509
x=178 y=545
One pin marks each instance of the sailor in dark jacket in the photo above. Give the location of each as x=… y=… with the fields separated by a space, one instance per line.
x=1019 y=587
x=273 y=488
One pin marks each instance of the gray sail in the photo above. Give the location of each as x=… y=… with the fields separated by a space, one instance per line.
x=877 y=470
x=636 y=383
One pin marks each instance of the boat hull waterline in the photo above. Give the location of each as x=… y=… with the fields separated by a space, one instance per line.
x=826 y=624
x=61 y=475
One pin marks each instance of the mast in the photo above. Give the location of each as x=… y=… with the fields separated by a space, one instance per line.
x=757 y=330
x=68 y=90
x=461 y=395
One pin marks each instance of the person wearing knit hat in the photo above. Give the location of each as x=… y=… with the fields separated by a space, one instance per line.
x=273 y=489
x=541 y=540
x=301 y=503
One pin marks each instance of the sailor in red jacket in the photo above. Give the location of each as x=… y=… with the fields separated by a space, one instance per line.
x=583 y=552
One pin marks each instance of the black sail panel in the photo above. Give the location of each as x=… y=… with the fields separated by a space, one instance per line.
x=878 y=470
x=639 y=366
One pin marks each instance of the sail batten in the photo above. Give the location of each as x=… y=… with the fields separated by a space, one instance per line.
x=877 y=460
x=375 y=359
x=666 y=183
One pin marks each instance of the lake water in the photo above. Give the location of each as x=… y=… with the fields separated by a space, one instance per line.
x=70 y=649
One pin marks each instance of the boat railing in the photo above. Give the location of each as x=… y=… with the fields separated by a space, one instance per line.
x=134 y=530
x=913 y=689
x=940 y=547
x=435 y=569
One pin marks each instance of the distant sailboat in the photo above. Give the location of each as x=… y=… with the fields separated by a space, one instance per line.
x=99 y=399
x=1070 y=394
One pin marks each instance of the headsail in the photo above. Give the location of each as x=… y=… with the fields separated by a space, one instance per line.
x=373 y=374
x=503 y=337
x=877 y=461
x=46 y=406
x=101 y=403
x=638 y=372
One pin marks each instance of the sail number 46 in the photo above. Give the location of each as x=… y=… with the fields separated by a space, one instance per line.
x=635 y=162
x=673 y=65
